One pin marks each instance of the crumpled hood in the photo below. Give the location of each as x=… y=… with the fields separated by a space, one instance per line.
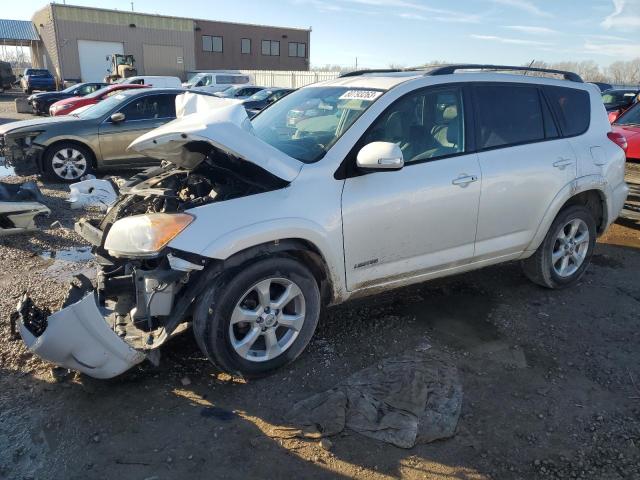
x=223 y=124
x=33 y=124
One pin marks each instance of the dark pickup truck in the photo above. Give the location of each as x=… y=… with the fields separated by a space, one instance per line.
x=37 y=79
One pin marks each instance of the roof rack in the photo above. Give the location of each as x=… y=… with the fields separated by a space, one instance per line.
x=357 y=73
x=449 y=69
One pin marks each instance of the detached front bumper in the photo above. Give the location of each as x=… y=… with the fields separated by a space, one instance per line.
x=78 y=337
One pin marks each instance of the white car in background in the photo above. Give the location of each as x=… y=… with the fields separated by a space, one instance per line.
x=392 y=178
x=212 y=82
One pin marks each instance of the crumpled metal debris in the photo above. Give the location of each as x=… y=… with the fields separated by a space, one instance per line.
x=407 y=400
x=20 y=204
x=92 y=193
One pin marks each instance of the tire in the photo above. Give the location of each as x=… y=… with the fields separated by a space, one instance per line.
x=541 y=268
x=77 y=159
x=237 y=296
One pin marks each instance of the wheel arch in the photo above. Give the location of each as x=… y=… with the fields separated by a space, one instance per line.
x=303 y=250
x=588 y=192
x=75 y=141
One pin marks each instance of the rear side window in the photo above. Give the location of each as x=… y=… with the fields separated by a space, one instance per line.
x=572 y=108
x=508 y=115
x=231 y=79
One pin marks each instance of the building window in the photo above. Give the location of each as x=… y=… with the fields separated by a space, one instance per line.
x=211 y=43
x=245 y=45
x=297 y=49
x=270 y=47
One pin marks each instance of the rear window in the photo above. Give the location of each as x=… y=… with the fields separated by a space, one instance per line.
x=572 y=108
x=37 y=73
x=508 y=115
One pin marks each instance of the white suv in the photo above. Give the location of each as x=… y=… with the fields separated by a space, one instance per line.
x=384 y=179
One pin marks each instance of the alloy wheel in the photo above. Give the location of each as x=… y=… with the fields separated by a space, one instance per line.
x=69 y=163
x=570 y=248
x=267 y=319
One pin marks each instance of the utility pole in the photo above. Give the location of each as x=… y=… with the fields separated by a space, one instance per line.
x=356 y=63
x=132 y=6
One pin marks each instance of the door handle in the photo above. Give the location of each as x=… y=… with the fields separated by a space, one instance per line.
x=464 y=180
x=563 y=163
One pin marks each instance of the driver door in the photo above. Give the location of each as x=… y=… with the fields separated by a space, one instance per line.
x=422 y=218
x=142 y=114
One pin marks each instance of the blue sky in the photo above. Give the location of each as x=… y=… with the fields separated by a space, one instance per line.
x=413 y=32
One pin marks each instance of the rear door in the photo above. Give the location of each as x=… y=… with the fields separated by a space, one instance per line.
x=142 y=114
x=524 y=162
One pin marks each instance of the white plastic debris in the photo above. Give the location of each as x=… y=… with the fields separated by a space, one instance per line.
x=92 y=193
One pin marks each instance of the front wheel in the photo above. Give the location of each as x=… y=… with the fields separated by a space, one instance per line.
x=67 y=162
x=566 y=251
x=260 y=319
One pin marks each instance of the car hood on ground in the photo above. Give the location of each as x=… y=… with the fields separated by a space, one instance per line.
x=220 y=123
x=34 y=124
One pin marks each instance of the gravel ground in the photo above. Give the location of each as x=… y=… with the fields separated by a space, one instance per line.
x=551 y=381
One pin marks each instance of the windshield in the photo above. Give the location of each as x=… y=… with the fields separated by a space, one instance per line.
x=105 y=106
x=200 y=80
x=37 y=73
x=306 y=123
x=261 y=95
x=98 y=93
x=620 y=96
x=630 y=117
x=71 y=88
x=229 y=92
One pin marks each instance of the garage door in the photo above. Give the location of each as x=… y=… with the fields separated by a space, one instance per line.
x=163 y=60
x=94 y=64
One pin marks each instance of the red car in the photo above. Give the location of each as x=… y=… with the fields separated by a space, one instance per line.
x=68 y=105
x=628 y=125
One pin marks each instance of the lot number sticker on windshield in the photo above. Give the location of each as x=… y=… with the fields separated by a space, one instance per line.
x=369 y=95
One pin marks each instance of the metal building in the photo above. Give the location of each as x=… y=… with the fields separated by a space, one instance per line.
x=76 y=43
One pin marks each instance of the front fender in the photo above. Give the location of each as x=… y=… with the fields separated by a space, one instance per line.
x=577 y=186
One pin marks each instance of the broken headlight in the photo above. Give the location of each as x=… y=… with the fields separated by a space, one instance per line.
x=145 y=235
x=25 y=139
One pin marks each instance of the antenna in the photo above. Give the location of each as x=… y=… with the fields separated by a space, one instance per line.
x=530 y=65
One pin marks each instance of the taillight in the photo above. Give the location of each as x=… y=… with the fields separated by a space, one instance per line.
x=619 y=140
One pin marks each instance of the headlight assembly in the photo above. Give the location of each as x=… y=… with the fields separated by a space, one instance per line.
x=145 y=235
x=25 y=139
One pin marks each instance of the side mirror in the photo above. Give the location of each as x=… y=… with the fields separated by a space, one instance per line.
x=380 y=156
x=117 y=117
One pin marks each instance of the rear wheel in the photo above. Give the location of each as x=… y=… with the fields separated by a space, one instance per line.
x=260 y=319
x=67 y=162
x=566 y=251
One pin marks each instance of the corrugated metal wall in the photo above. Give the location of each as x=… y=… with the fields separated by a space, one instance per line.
x=132 y=29
x=284 y=79
x=163 y=60
x=43 y=22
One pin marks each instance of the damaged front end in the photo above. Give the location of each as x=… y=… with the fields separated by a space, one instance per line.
x=144 y=289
